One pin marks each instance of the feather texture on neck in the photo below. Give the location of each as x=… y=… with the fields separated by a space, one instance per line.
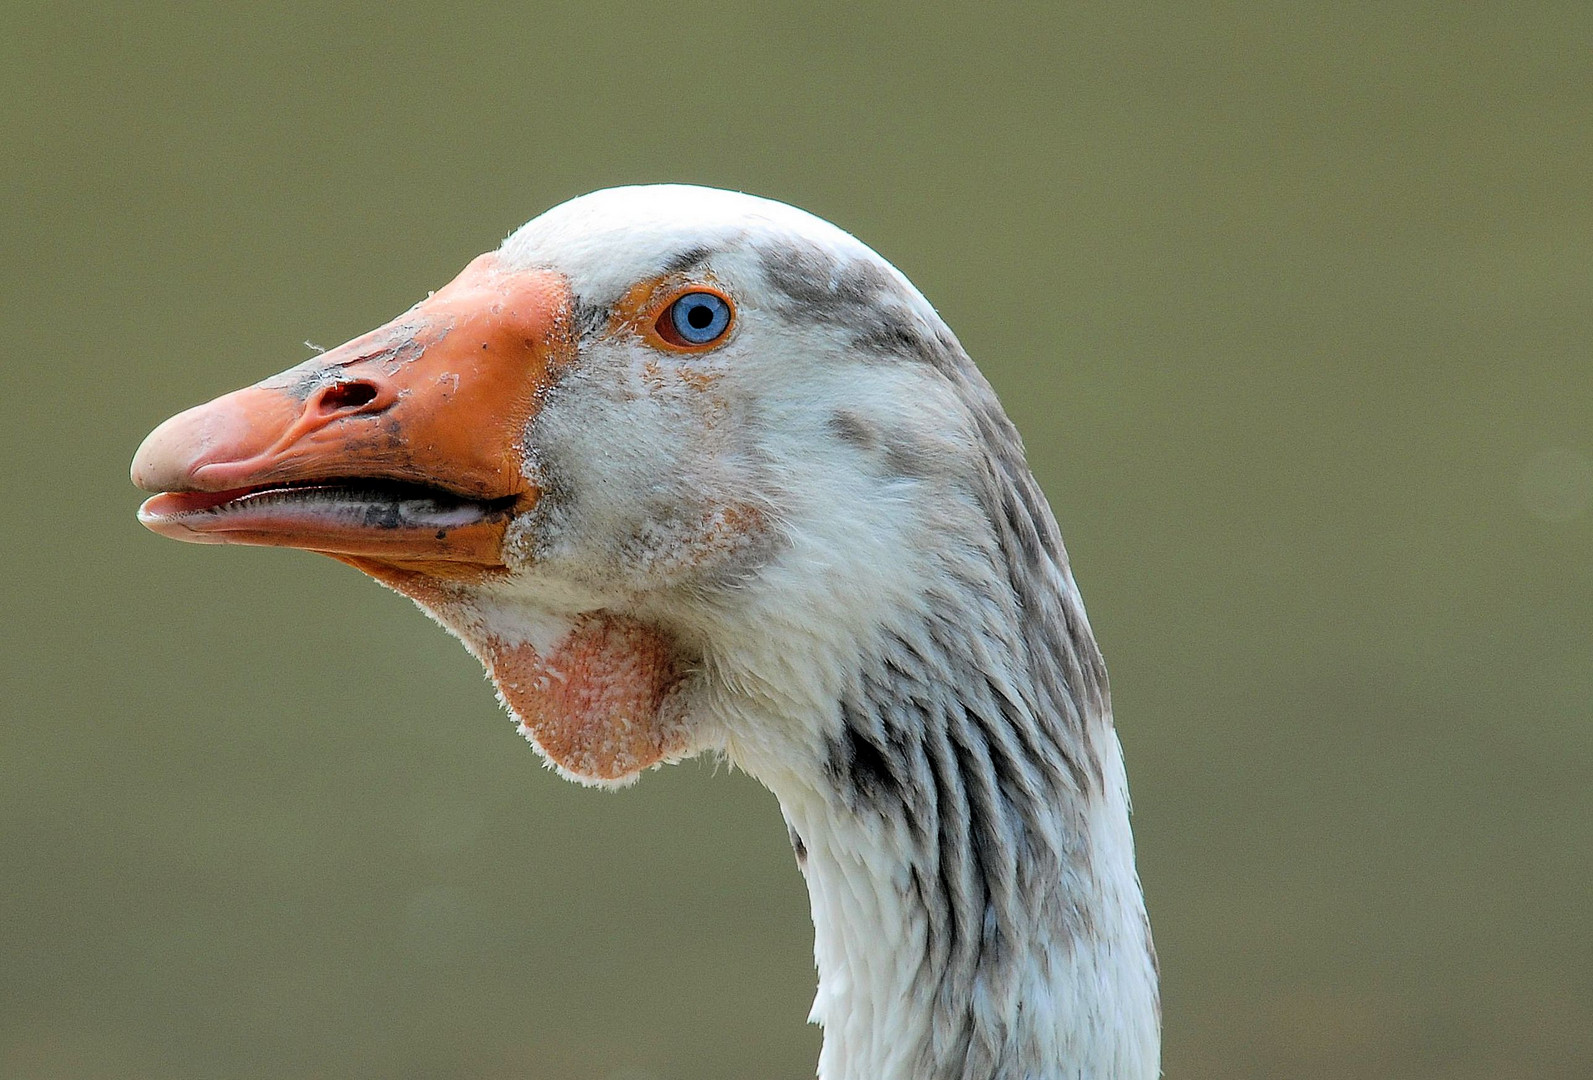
x=962 y=815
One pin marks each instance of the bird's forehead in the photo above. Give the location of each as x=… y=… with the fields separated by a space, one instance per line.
x=605 y=242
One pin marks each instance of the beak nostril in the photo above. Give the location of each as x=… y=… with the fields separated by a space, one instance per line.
x=344 y=396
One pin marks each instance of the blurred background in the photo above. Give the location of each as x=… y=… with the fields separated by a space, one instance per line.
x=1292 y=306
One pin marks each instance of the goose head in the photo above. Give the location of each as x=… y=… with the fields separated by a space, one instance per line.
x=689 y=470
x=583 y=453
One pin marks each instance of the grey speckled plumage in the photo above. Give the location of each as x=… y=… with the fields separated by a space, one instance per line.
x=977 y=732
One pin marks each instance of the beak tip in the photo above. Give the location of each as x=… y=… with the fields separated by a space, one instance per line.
x=229 y=432
x=159 y=464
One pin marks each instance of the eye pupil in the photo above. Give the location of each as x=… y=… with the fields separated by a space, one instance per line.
x=699 y=318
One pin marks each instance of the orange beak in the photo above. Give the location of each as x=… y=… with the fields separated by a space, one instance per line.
x=402 y=446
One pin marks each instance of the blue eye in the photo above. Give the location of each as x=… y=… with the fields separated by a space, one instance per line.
x=697 y=318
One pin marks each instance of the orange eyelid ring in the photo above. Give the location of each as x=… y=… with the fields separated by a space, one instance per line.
x=660 y=325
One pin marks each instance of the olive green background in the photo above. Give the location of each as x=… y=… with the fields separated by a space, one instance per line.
x=1292 y=303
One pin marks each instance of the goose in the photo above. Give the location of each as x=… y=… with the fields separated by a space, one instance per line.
x=691 y=471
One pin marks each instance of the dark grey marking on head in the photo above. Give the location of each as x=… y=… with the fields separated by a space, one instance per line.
x=857 y=294
x=853 y=429
x=897 y=453
x=588 y=319
x=821 y=285
x=685 y=260
x=906 y=456
x=895 y=336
